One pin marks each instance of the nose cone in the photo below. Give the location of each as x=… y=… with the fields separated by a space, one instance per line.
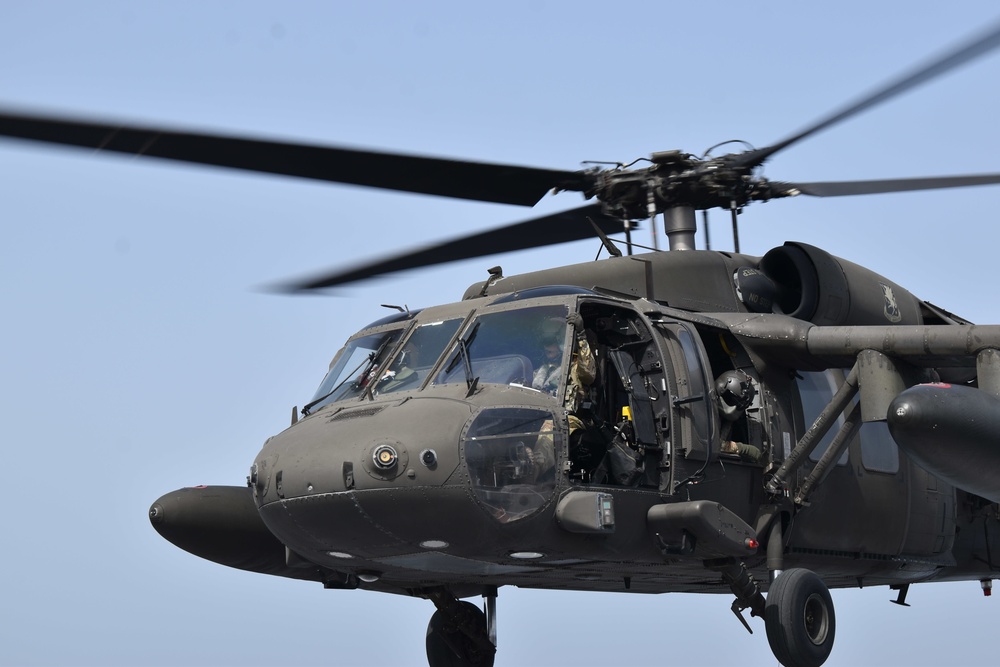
x=220 y=524
x=363 y=447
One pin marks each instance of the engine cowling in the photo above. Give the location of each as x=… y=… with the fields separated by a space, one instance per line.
x=813 y=285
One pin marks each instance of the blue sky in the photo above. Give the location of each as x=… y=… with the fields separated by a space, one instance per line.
x=139 y=357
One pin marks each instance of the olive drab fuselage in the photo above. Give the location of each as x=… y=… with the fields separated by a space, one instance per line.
x=466 y=476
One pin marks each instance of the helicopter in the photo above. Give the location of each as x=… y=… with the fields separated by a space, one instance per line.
x=654 y=327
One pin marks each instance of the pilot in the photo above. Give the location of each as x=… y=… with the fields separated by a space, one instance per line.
x=400 y=375
x=582 y=369
x=734 y=393
x=582 y=373
x=547 y=376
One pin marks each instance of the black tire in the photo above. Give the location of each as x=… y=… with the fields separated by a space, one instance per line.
x=442 y=634
x=799 y=619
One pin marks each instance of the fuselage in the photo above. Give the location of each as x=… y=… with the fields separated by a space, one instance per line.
x=447 y=448
x=461 y=498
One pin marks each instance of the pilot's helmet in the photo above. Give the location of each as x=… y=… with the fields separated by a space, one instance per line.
x=735 y=390
x=552 y=332
x=402 y=359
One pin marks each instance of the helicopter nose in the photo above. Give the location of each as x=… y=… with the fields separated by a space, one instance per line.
x=353 y=482
x=358 y=448
x=381 y=481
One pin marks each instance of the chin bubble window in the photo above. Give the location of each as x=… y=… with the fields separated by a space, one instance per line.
x=511 y=455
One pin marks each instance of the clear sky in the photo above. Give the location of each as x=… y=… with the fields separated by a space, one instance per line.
x=139 y=355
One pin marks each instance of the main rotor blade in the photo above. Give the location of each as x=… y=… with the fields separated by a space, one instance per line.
x=846 y=188
x=969 y=50
x=572 y=225
x=479 y=181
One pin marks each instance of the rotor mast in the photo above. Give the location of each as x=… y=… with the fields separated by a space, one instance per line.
x=680 y=226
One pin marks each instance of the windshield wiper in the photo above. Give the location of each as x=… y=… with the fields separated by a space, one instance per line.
x=463 y=349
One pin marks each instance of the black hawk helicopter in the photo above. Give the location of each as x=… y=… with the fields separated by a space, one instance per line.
x=692 y=420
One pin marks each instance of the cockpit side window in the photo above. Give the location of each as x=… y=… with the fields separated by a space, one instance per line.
x=354 y=368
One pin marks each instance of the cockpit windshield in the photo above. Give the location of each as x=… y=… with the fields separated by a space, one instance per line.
x=354 y=368
x=409 y=368
x=520 y=346
x=513 y=346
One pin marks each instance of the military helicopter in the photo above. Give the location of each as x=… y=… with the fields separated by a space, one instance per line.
x=702 y=455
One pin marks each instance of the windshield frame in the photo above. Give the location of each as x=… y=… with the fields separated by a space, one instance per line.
x=468 y=313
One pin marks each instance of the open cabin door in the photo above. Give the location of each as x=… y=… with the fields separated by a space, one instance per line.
x=630 y=398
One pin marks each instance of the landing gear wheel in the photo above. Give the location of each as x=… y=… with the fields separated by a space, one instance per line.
x=799 y=619
x=449 y=646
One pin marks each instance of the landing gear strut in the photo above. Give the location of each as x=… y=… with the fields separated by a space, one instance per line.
x=799 y=619
x=458 y=634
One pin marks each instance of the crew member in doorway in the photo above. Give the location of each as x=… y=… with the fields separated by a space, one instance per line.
x=734 y=393
x=582 y=372
x=582 y=367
